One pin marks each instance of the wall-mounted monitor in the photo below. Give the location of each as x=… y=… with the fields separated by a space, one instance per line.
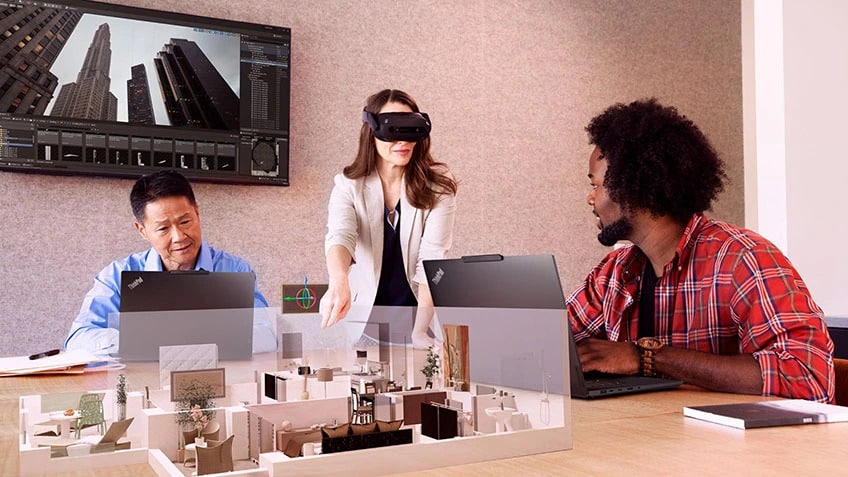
x=95 y=88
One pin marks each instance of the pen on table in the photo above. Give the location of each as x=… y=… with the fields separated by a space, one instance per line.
x=52 y=352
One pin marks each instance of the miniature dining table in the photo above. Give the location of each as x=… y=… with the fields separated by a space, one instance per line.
x=62 y=421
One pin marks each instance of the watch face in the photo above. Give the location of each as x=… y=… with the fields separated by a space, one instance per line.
x=649 y=343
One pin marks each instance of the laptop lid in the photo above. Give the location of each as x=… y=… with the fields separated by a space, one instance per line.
x=185 y=307
x=530 y=282
x=496 y=281
x=496 y=296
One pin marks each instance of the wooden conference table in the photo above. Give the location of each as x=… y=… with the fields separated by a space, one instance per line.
x=643 y=434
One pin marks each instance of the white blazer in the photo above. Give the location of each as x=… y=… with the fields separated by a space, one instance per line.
x=355 y=221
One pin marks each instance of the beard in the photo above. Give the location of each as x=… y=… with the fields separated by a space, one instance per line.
x=617 y=230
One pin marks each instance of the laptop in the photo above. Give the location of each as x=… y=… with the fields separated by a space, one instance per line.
x=185 y=307
x=528 y=282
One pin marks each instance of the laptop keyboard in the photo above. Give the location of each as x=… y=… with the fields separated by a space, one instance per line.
x=604 y=384
x=602 y=381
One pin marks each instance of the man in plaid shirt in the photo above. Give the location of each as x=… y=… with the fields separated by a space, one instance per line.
x=692 y=298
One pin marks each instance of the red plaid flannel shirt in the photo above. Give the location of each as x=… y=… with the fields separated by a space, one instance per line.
x=727 y=291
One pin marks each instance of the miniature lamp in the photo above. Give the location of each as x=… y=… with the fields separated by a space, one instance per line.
x=325 y=375
x=361 y=357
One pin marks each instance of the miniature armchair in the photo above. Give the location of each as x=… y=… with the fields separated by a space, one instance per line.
x=210 y=432
x=91 y=414
x=215 y=458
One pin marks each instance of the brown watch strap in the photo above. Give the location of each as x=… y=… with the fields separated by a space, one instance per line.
x=646 y=359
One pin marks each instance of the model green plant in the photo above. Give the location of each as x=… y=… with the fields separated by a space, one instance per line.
x=121 y=396
x=121 y=390
x=431 y=364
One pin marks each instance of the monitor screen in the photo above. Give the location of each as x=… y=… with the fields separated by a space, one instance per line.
x=94 y=88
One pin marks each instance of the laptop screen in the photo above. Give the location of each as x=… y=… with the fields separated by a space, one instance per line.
x=179 y=308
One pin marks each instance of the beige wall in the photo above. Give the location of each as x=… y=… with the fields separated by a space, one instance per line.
x=509 y=86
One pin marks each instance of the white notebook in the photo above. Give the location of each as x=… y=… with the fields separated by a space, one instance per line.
x=786 y=412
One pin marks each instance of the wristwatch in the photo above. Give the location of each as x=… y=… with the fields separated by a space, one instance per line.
x=648 y=347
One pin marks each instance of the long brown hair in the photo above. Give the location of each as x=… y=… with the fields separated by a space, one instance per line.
x=425 y=178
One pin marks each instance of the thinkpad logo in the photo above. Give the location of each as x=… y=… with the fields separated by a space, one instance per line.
x=138 y=281
x=438 y=276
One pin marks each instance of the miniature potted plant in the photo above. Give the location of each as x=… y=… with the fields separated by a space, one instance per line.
x=431 y=366
x=199 y=420
x=121 y=397
x=194 y=407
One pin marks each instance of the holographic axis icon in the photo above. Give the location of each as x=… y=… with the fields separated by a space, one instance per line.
x=302 y=297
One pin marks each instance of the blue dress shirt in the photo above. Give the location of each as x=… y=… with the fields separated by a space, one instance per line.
x=90 y=329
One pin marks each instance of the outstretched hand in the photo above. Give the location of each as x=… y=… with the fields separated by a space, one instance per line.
x=334 y=305
x=616 y=357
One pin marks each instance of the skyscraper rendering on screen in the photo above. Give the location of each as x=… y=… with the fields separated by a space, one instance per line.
x=195 y=93
x=89 y=97
x=33 y=38
x=139 y=106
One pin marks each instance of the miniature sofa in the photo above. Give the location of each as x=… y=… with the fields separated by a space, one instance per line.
x=348 y=437
x=290 y=443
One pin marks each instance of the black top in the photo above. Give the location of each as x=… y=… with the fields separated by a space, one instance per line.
x=646 y=302
x=394 y=288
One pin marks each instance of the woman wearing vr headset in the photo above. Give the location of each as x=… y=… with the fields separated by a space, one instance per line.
x=390 y=209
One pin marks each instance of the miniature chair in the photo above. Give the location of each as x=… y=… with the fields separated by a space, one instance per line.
x=188 y=436
x=112 y=439
x=91 y=414
x=840 y=382
x=367 y=397
x=210 y=432
x=190 y=454
x=360 y=413
x=215 y=458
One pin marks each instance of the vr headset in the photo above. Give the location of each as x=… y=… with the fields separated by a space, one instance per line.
x=391 y=127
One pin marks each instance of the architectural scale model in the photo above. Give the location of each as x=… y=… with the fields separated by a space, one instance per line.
x=324 y=412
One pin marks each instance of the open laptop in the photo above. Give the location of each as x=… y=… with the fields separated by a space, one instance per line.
x=186 y=307
x=528 y=282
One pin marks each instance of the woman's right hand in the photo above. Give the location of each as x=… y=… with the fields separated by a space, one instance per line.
x=334 y=304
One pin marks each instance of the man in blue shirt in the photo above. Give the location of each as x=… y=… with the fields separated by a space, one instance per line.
x=167 y=216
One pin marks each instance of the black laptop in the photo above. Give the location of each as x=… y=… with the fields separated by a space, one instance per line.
x=528 y=282
x=186 y=307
